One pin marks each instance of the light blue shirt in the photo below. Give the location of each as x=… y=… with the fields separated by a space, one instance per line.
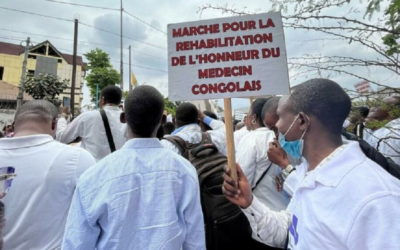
x=143 y=196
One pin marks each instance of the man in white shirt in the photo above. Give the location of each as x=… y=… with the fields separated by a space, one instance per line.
x=252 y=155
x=141 y=197
x=387 y=139
x=342 y=200
x=38 y=202
x=186 y=121
x=90 y=127
x=239 y=134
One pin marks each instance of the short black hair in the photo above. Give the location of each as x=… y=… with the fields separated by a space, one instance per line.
x=1 y=135
x=270 y=106
x=36 y=110
x=144 y=108
x=168 y=128
x=210 y=114
x=325 y=100
x=362 y=110
x=257 y=107
x=186 y=113
x=112 y=94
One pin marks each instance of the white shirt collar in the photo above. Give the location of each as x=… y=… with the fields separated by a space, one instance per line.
x=25 y=141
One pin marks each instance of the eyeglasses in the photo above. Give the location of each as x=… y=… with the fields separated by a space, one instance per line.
x=7 y=175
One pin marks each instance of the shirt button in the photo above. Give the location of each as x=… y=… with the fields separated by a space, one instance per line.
x=258 y=236
x=252 y=214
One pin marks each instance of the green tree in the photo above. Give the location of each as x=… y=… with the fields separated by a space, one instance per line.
x=46 y=87
x=125 y=94
x=101 y=71
x=170 y=106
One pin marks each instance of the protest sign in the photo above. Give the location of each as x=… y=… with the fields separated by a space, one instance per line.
x=242 y=56
x=362 y=87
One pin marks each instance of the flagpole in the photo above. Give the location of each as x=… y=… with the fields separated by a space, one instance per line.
x=130 y=70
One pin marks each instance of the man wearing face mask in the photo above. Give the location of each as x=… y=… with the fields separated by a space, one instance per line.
x=342 y=198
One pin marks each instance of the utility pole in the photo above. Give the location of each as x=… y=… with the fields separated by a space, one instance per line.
x=20 y=97
x=130 y=70
x=72 y=105
x=122 y=54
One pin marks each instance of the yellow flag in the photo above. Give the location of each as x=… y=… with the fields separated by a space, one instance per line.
x=134 y=81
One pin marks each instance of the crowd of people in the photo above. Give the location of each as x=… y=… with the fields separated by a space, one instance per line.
x=303 y=181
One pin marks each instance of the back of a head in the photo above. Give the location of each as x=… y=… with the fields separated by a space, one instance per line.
x=168 y=128
x=325 y=100
x=257 y=107
x=144 y=108
x=362 y=110
x=112 y=94
x=186 y=114
x=270 y=106
x=210 y=114
x=37 y=111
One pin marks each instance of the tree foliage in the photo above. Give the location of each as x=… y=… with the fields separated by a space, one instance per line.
x=171 y=106
x=101 y=71
x=46 y=87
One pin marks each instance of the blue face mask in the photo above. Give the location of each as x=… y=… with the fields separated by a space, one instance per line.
x=293 y=148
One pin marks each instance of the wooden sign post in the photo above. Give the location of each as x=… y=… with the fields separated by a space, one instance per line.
x=229 y=137
x=224 y=58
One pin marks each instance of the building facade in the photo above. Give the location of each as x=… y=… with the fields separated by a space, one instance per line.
x=42 y=58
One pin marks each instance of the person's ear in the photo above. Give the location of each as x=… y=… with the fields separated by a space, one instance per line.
x=122 y=117
x=54 y=124
x=304 y=121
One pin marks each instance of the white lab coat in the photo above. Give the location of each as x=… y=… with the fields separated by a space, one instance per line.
x=347 y=202
x=253 y=159
x=387 y=140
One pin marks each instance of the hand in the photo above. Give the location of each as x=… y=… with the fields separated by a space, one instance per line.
x=64 y=110
x=278 y=183
x=237 y=192
x=201 y=114
x=277 y=155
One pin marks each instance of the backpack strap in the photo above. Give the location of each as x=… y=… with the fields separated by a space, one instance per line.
x=262 y=176
x=108 y=131
x=180 y=144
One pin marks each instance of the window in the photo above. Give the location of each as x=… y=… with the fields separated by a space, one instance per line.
x=59 y=60
x=31 y=72
x=1 y=73
x=32 y=56
x=41 y=50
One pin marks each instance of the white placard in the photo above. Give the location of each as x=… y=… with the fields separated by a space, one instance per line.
x=362 y=87
x=243 y=56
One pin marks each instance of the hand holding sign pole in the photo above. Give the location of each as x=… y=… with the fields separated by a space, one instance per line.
x=242 y=56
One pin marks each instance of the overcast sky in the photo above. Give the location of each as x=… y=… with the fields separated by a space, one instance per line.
x=158 y=13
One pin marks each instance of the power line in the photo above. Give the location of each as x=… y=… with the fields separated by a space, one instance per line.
x=134 y=65
x=149 y=44
x=83 y=5
x=36 y=14
x=107 y=8
x=144 y=22
x=82 y=42
x=88 y=25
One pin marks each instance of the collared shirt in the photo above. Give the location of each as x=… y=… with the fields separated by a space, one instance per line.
x=143 y=196
x=348 y=203
x=238 y=135
x=387 y=140
x=253 y=159
x=192 y=134
x=37 y=203
x=90 y=127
